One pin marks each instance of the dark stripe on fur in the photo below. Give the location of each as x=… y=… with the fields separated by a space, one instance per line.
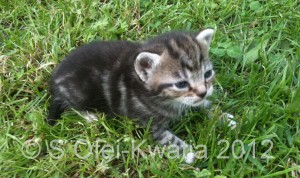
x=161 y=87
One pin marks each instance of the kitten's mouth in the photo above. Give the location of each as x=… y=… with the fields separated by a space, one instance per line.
x=197 y=102
x=193 y=103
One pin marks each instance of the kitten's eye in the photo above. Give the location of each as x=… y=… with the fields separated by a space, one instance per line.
x=208 y=74
x=182 y=84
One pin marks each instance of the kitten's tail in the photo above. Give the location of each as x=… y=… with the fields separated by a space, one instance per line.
x=55 y=111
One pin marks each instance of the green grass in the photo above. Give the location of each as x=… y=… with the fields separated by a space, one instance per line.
x=256 y=53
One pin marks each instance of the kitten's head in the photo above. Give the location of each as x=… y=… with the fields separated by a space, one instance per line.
x=177 y=67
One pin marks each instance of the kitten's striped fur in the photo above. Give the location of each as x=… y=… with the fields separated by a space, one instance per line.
x=157 y=79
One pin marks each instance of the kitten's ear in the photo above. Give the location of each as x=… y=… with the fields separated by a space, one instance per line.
x=205 y=36
x=145 y=64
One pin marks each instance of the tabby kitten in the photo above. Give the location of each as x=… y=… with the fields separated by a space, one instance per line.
x=158 y=80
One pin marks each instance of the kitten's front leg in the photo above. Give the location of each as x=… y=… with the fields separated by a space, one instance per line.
x=166 y=137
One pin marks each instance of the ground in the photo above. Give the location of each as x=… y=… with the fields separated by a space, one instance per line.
x=256 y=54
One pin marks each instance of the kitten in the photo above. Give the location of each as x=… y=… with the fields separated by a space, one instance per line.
x=158 y=80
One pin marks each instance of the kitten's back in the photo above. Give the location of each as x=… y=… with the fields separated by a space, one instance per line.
x=81 y=80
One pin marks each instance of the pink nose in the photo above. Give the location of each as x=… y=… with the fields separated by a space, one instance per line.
x=200 y=91
x=202 y=95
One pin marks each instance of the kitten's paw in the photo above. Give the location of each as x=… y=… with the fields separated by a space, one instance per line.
x=190 y=157
x=229 y=118
x=90 y=117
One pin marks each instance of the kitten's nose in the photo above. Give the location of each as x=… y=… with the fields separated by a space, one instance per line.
x=200 y=91
x=202 y=95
